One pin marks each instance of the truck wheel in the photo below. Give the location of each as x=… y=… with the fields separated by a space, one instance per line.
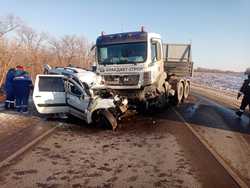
x=179 y=93
x=106 y=119
x=186 y=91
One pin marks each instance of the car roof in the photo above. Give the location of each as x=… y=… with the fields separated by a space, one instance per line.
x=83 y=75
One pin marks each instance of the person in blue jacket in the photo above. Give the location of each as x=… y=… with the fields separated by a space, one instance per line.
x=22 y=85
x=8 y=87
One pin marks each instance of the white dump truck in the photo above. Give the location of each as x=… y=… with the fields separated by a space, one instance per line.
x=69 y=90
x=139 y=66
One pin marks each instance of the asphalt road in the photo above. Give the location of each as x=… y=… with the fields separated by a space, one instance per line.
x=203 y=111
x=221 y=128
x=149 y=150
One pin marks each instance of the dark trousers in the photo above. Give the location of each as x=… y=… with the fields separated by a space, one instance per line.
x=22 y=103
x=10 y=100
x=244 y=103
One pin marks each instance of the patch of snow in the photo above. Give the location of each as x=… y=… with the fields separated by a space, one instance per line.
x=221 y=81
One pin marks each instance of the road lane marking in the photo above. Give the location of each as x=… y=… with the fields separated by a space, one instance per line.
x=6 y=161
x=224 y=164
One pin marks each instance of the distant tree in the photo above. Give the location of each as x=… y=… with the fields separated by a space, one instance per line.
x=207 y=70
x=8 y=49
x=8 y=24
x=32 y=47
x=8 y=53
x=71 y=50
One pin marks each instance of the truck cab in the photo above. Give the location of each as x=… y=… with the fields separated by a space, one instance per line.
x=129 y=60
x=135 y=65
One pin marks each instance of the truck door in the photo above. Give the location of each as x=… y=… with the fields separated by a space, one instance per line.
x=156 y=59
x=77 y=99
x=49 y=94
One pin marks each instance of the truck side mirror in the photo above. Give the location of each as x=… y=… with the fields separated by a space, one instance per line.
x=93 y=47
x=94 y=67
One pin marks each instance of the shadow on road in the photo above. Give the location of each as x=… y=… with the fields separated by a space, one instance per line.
x=201 y=111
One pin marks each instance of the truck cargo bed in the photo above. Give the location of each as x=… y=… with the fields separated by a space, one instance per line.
x=178 y=59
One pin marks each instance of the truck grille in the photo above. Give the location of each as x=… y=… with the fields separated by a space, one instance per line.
x=117 y=80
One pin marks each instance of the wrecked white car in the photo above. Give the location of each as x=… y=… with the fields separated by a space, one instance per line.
x=74 y=94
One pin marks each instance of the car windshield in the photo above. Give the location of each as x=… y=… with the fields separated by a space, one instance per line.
x=122 y=53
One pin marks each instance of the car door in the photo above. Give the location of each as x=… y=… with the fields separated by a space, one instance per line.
x=77 y=99
x=49 y=94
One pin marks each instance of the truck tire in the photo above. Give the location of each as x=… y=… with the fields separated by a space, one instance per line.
x=186 y=90
x=179 y=93
x=106 y=119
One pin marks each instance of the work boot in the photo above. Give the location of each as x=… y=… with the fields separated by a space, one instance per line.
x=6 y=105
x=18 y=109
x=239 y=113
x=12 y=105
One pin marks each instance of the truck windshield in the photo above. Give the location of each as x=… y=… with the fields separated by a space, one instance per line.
x=122 y=53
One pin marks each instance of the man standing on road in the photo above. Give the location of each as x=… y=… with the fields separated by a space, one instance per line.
x=22 y=85
x=8 y=86
x=244 y=90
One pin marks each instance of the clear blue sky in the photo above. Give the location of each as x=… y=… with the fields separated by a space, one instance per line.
x=219 y=29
